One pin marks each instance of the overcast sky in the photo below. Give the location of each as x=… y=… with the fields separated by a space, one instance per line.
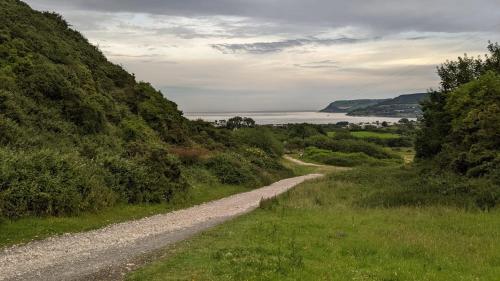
x=251 y=55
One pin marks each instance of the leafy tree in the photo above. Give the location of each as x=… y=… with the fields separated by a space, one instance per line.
x=234 y=123
x=460 y=128
x=240 y=122
x=248 y=122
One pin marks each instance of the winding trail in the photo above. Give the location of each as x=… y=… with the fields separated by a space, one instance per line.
x=82 y=256
x=299 y=162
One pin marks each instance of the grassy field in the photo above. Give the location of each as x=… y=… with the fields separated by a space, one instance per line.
x=322 y=230
x=35 y=228
x=367 y=134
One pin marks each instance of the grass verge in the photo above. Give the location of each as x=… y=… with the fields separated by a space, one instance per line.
x=322 y=230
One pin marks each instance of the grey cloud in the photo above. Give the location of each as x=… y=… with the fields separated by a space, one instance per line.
x=395 y=71
x=278 y=46
x=382 y=15
x=319 y=64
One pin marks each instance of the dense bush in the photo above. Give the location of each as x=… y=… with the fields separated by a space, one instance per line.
x=230 y=169
x=261 y=138
x=44 y=182
x=261 y=159
x=77 y=133
x=460 y=125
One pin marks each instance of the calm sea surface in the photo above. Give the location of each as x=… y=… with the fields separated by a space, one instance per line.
x=266 y=118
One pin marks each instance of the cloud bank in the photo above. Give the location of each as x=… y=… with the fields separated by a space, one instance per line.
x=282 y=54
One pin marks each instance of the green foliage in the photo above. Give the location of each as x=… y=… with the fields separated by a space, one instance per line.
x=303 y=131
x=343 y=159
x=350 y=146
x=460 y=125
x=261 y=138
x=381 y=138
x=466 y=69
x=240 y=122
x=211 y=137
x=368 y=135
x=229 y=169
x=473 y=144
x=78 y=133
x=43 y=182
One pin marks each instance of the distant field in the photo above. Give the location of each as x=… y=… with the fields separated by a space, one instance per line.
x=319 y=231
x=331 y=134
x=367 y=134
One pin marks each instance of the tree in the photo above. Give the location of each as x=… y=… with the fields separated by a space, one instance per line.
x=248 y=122
x=240 y=122
x=234 y=123
x=459 y=128
x=436 y=120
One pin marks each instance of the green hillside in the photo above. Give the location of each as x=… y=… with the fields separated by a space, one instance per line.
x=407 y=106
x=344 y=106
x=79 y=133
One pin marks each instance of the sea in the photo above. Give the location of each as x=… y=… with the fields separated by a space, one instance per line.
x=277 y=118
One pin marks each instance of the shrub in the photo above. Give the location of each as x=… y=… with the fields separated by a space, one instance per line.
x=136 y=182
x=261 y=159
x=190 y=155
x=261 y=138
x=230 y=169
x=47 y=182
x=163 y=173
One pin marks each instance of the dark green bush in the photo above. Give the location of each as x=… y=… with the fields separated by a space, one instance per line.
x=230 y=169
x=261 y=159
x=142 y=181
x=77 y=133
x=261 y=138
x=47 y=182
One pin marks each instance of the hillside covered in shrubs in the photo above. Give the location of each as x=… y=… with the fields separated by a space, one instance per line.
x=79 y=133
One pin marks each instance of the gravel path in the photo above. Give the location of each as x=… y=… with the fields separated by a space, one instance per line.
x=297 y=161
x=77 y=256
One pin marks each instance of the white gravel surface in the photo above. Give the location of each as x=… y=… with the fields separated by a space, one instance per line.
x=74 y=256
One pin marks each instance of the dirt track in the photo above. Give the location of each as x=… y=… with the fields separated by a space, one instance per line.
x=79 y=256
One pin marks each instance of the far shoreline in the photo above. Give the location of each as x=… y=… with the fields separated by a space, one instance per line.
x=292 y=117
